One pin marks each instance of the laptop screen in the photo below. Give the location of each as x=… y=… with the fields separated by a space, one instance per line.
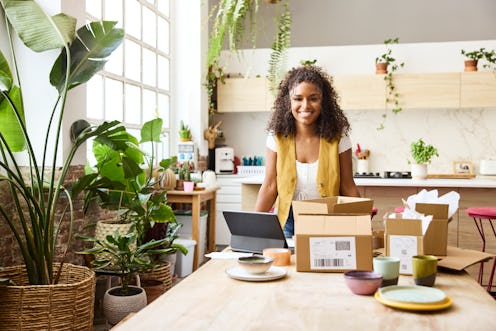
x=253 y=231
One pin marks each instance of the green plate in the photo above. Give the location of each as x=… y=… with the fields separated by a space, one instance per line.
x=412 y=294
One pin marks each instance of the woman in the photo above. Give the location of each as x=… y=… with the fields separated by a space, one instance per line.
x=308 y=148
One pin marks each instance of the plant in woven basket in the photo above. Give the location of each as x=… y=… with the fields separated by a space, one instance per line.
x=37 y=196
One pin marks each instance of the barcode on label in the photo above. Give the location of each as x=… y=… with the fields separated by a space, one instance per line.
x=403 y=267
x=404 y=251
x=343 y=245
x=328 y=262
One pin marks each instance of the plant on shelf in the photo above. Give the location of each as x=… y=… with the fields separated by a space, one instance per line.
x=282 y=41
x=422 y=155
x=184 y=132
x=229 y=18
x=473 y=58
x=389 y=67
x=308 y=62
x=42 y=206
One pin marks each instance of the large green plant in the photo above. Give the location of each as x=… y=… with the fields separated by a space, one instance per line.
x=33 y=217
x=123 y=178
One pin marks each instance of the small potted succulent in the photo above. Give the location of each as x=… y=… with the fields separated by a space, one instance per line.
x=184 y=132
x=422 y=155
x=473 y=57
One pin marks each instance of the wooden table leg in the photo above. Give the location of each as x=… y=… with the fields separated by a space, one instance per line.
x=195 y=228
x=211 y=223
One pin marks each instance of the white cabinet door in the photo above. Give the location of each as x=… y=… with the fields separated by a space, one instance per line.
x=228 y=198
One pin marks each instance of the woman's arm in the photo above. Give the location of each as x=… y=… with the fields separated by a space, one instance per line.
x=347 y=186
x=268 y=191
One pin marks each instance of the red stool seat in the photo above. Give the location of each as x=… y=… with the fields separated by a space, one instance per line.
x=482 y=212
x=399 y=209
x=374 y=211
x=487 y=214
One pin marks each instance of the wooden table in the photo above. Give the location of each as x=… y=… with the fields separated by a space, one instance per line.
x=209 y=299
x=195 y=198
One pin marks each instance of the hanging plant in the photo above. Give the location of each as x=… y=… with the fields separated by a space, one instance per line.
x=389 y=66
x=282 y=41
x=229 y=22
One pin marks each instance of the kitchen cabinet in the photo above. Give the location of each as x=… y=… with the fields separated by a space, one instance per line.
x=478 y=89
x=244 y=95
x=416 y=91
x=228 y=198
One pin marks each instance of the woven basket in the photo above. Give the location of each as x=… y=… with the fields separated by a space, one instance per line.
x=108 y=227
x=65 y=306
x=161 y=273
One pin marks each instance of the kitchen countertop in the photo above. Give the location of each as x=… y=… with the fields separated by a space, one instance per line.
x=480 y=182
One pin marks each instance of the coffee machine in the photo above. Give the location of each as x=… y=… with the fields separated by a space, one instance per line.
x=224 y=160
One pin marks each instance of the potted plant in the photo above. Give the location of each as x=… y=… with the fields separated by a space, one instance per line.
x=422 y=155
x=473 y=58
x=386 y=64
x=42 y=205
x=122 y=257
x=184 y=132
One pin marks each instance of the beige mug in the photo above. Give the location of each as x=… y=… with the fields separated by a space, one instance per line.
x=424 y=269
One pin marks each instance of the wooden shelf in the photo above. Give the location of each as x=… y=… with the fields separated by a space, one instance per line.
x=368 y=92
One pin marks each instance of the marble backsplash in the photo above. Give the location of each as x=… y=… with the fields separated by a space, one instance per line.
x=458 y=134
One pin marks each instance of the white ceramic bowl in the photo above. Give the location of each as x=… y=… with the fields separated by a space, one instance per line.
x=256 y=264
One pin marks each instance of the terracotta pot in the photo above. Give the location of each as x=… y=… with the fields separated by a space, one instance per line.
x=381 y=68
x=153 y=288
x=470 y=65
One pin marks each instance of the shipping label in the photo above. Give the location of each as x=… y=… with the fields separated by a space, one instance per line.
x=332 y=253
x=403 y=247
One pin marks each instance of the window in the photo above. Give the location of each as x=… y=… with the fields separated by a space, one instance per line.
x=134 y=86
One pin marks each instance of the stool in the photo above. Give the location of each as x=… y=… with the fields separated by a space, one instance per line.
x=480 y=214
x=373 y=213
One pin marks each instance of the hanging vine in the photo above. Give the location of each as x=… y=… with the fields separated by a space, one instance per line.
x=282 y=42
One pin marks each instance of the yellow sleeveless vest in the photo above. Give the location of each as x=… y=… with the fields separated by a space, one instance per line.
x=328 y=174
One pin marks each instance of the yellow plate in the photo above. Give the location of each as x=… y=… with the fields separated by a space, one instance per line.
x=414 y=306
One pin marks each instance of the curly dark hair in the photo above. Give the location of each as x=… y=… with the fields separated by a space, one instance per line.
x=332 y=122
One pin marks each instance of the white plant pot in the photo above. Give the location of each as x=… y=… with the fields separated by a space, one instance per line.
x=419 y=171
x=115 y=308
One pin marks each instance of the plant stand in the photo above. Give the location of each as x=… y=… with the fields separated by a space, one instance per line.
x=67 y=305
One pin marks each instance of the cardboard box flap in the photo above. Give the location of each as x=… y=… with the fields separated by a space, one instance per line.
x=403 y=227
x=333 y=224
x=437 y=210
x=334 y=204
x=459 y=258
x=353 y=205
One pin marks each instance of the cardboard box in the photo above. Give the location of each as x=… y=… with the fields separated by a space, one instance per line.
x=333 y=242
x=404 y=237
x=330 y=205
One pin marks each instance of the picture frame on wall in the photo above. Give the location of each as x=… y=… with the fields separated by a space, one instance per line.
x=463 y=167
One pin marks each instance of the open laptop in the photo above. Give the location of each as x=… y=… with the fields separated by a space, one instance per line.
x=253 y=231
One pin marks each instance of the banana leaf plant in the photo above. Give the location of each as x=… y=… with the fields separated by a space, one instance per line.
x=36 y=197
x=124 y=179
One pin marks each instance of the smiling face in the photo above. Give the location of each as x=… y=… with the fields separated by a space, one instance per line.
x=306 y=103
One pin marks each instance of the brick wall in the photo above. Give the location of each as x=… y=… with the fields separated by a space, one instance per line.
x=10 y=253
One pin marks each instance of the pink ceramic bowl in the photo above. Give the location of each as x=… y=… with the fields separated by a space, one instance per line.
x=363 y=282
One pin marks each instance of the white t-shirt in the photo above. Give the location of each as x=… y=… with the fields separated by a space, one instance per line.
x=306 y=173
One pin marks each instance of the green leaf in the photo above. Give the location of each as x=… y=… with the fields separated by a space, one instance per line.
x=151 y=131
x=5 y=75
x=163 y=214
x=37 y=30
x=10 y=127
x=89 y=53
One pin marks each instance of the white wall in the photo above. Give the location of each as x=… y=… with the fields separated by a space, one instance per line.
x=459 y=134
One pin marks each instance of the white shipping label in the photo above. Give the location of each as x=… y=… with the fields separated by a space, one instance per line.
x=332 y=253
x=403 y=247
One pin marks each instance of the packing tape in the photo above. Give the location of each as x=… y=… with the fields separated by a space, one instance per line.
x=281 y=256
